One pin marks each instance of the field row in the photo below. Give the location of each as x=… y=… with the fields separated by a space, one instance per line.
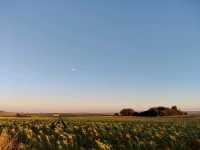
x=103 y=134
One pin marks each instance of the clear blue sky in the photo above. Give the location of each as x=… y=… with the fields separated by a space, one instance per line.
x=86 y=56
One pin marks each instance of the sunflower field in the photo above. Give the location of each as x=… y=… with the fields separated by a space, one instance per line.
x=103 y=133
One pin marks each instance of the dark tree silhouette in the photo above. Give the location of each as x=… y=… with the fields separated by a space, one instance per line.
x=154 y=111
x=127 y=112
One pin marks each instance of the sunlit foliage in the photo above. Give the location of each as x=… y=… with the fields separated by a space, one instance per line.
x=102 y=134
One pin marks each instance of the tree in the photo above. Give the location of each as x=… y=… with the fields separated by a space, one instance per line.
x=116 y=114
x=127 y=112
x=174 y=108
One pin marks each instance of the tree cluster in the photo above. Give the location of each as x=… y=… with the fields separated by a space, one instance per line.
x=154 y=111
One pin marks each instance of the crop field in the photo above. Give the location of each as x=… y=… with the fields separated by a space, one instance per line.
x=100 y=133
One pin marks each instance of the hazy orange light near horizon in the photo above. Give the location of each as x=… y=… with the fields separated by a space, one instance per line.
x=63 y=104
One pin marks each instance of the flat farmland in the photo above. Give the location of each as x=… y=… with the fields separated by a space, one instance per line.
x=100 y=133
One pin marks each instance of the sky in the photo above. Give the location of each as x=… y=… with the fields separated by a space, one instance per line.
x=99 y=56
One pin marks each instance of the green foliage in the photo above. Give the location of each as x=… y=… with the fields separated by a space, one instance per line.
x=109 y=133
x=127 y=112
x=161 y=111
